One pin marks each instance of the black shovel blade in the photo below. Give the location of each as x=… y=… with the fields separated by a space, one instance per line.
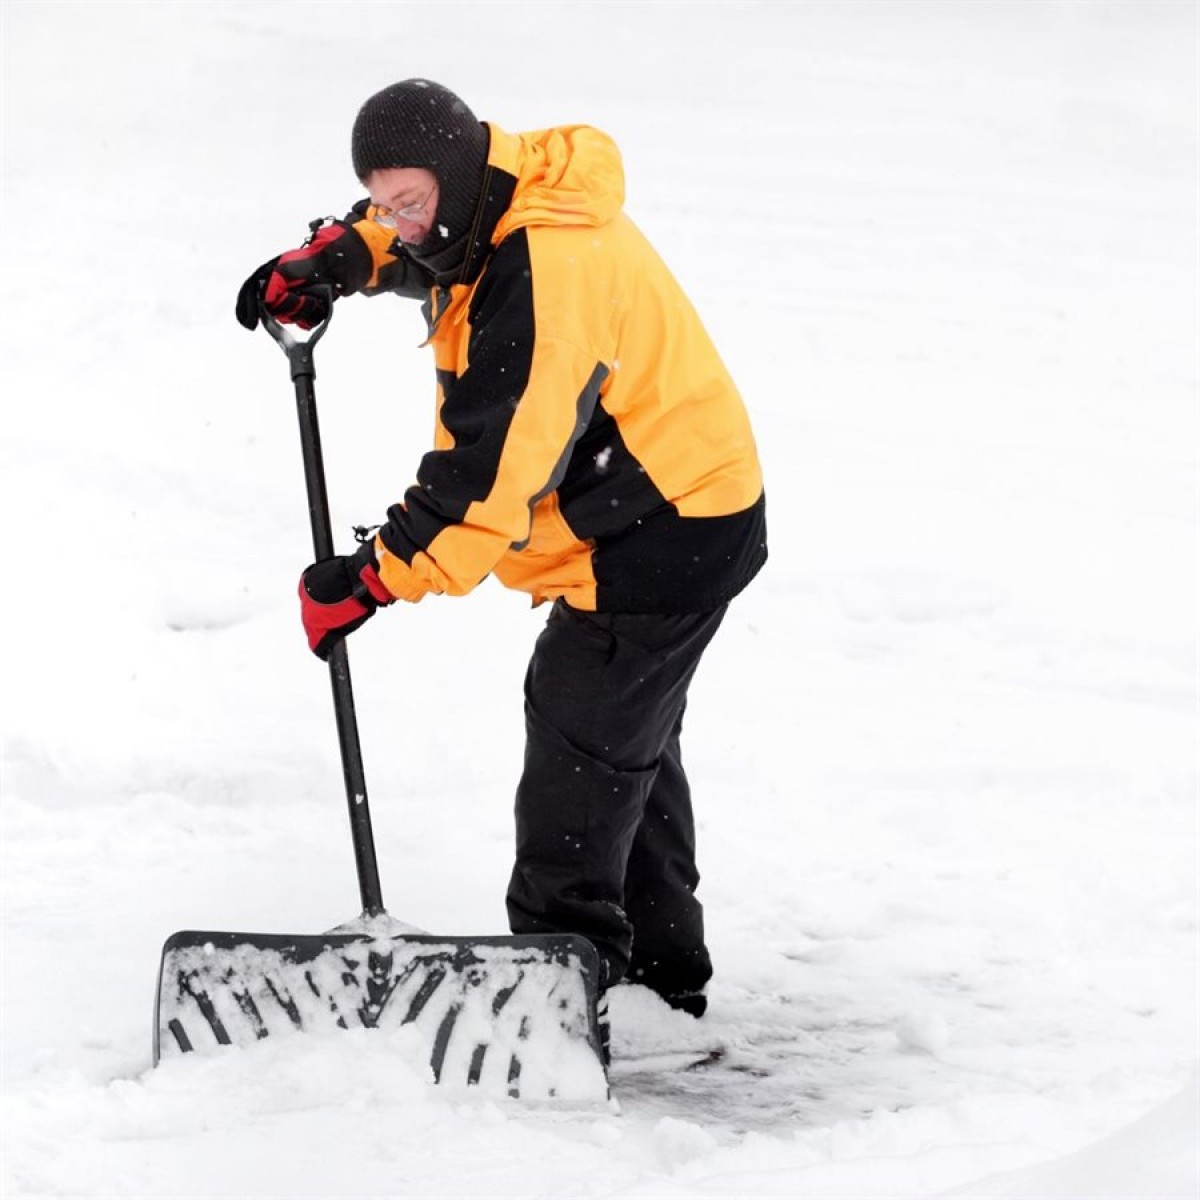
x=515 y=1016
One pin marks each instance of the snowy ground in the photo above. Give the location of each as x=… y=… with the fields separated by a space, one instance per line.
x=944 y=752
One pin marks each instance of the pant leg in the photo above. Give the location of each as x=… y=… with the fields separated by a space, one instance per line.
x=669 y=953
x=604 y=694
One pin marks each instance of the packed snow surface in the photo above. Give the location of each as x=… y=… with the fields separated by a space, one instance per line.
x=943 y=752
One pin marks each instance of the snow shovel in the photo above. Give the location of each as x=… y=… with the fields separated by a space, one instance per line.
x=513 y=1016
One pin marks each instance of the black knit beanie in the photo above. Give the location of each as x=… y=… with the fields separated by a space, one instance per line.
x=418 y=123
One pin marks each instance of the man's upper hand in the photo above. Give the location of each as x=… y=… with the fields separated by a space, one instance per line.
x=287 y=287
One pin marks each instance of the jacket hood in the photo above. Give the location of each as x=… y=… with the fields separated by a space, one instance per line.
x=570 y=175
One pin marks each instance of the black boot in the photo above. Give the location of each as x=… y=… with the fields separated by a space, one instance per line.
x=695 y=1004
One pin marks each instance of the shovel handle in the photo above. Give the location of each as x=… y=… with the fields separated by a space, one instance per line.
x=300 y=359
x=299 y=353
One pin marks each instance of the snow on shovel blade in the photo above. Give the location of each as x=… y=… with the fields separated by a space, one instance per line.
x=515 y=1016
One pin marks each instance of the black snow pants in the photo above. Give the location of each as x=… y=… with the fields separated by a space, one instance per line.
x=606 y=843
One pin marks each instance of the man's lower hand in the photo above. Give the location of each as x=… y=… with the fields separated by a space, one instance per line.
x=337 y=595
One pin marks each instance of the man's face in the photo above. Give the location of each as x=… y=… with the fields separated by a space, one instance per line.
x=407 y=198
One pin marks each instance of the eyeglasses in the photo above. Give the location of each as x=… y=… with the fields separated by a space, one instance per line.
x=387 y=217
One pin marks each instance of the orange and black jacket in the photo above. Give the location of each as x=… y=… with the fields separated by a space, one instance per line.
x=589 y=442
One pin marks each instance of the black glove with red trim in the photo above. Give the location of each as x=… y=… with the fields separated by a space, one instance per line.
x=337 y=595
x=334 y=256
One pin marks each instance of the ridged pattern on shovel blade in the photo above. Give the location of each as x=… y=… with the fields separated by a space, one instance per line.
x=510 y=1020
